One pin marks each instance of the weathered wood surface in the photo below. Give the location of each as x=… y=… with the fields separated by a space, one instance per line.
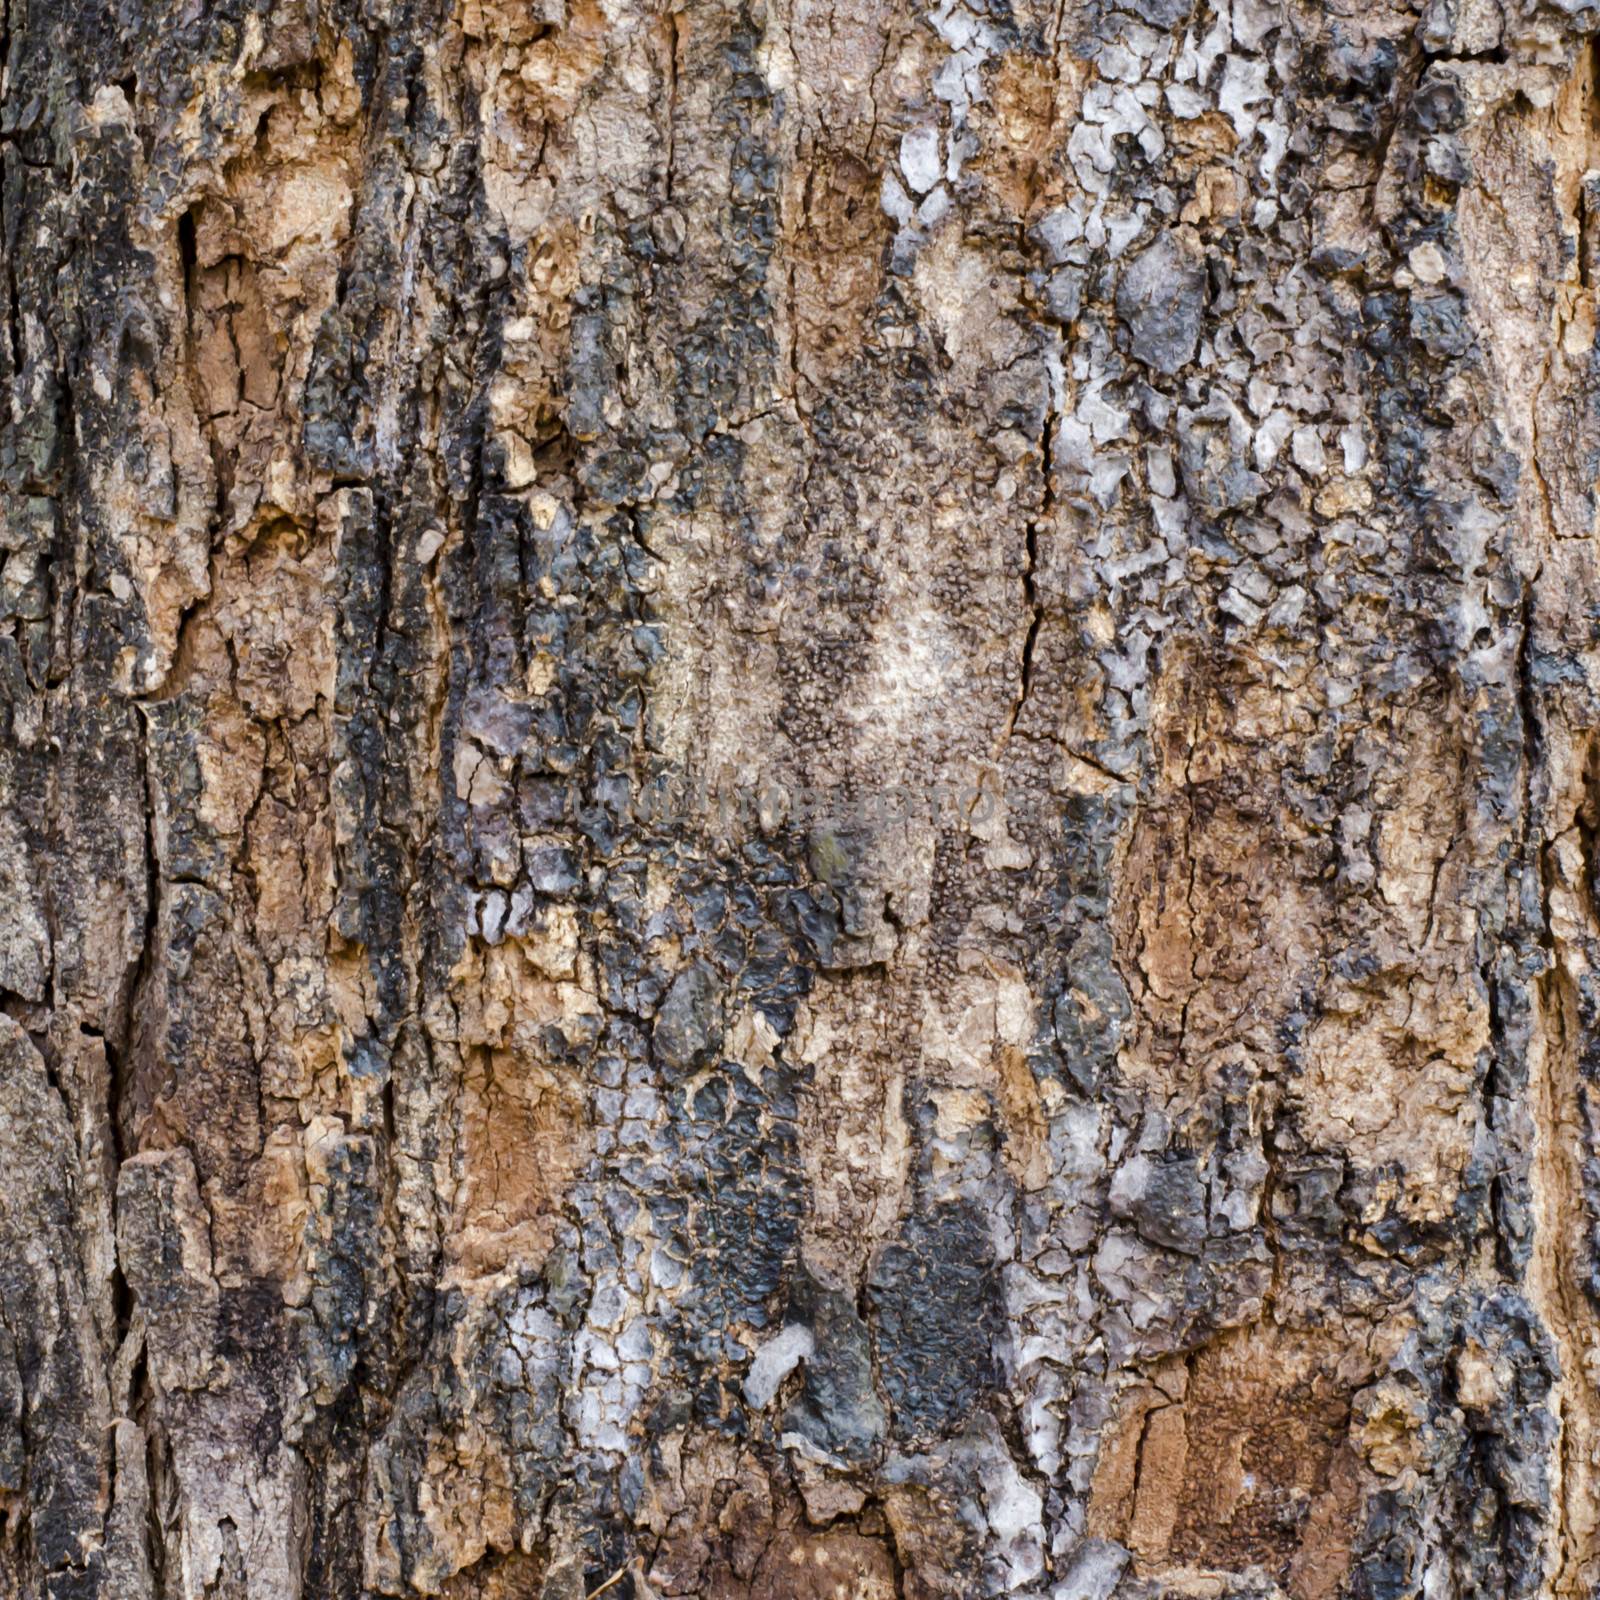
x=799 y=800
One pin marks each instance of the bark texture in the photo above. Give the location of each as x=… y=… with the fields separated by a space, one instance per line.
x=799 y=800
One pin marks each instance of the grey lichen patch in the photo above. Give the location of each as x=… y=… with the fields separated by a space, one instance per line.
x=1161 y=301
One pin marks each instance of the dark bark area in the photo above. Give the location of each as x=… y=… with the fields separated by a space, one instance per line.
x=799 y=801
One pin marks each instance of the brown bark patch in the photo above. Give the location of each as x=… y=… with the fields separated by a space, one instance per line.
x=1241 y=1460
x=838 y=264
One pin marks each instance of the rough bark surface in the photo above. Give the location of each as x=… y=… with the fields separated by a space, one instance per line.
x=799 y=800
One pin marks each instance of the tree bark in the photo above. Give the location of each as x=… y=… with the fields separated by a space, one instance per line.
x=798 y=800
